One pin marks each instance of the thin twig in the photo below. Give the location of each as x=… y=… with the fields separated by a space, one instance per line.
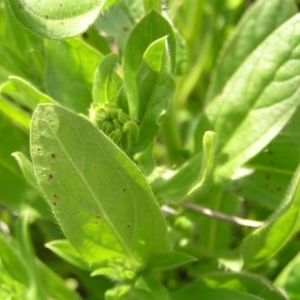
x=222 y=216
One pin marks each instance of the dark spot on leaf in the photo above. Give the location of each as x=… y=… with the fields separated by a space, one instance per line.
x=55 y=196
x=50 y=176
x=46 y=17
x=62 y=23
x=85 y=36
x=96 y=223
x=98 y=217
x=125 y=28
x=60 y=4
x=279 y=189
x=39 y=149
x=54 y=203
x=20 y=6
x=118 y=168
x=95 y=167
x=53 y=155
x=137 y=122
x=124 y=190
x=268 y=176
x=270 y=152
x=128 y=226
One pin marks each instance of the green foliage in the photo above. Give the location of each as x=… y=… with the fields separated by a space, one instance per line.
x=139 y=139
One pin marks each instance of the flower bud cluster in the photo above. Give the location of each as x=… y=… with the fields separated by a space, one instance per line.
x=115 y=123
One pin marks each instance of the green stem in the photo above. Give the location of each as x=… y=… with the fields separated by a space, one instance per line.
x=36 y=291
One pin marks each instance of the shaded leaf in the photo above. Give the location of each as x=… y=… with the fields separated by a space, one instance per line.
x=266 y=241
x=70 y=69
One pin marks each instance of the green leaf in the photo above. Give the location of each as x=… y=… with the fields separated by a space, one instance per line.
x=147 y=288
x=151 y=28
x=12 y=261
x=56 y=19
x=118 y=21
x=191 y=176
x=106 y=81
x=71 y=65
x=170 y=260
x=10 y=288
x=193 y=291
x=155 y=87
x=266 y=241
x=258 y=23
x=99 y=197
x=66 y=251
x=16 y=267
x=31 y=94
x=258 y=100
x=15 y=114
x=244 y=282
x=288 y=278
x=14 y=139
x=27 y=168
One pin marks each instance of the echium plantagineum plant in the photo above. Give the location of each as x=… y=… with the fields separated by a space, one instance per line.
x=149 y=149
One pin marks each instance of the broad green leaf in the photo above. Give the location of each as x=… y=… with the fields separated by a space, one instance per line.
x=170 y=260
x=66 y=251
x=70 y=69
x=27 y=168
x=194 y=291
x=150 y=29
x=258 y=100
x=266 y=241
x=258 y=22
x=155 y=87
x=106 y=81
x=288 y=278
x=244 y=282
x=191 y=176
x=99 y=197
x=56 y=19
